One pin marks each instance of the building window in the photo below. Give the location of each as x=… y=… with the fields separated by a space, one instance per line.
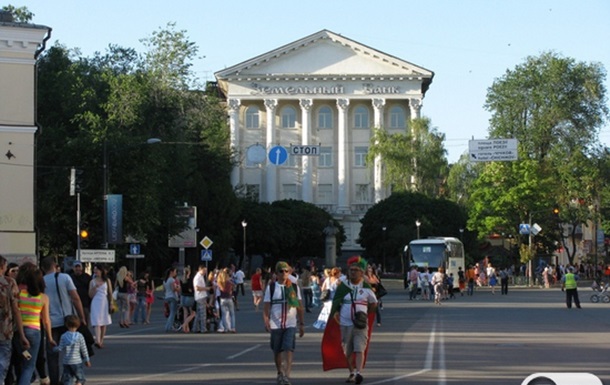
x=253 y=192
x=252 y=118
x=361 y=117
x=360 y=156
x=325 y=118
x=325 y=194
x=326 y=157
x=289 y=191
x=362 y=193
x=289 y=117
x=397 y=117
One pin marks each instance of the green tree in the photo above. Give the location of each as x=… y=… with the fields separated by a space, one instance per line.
x=20 y=15
x=398 y=214
x=554 y=106
x=415 y=161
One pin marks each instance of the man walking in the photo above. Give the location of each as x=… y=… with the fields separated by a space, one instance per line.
x=353 y=310
x=82 y=280
x=63 y=297
x=569 y=284
x=201 y=298
x=282 y=311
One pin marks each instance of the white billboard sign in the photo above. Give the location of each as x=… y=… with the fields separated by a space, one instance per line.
x=487 y=150
x=101 y=256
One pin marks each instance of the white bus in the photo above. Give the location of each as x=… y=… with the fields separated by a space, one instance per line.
x=435 y=252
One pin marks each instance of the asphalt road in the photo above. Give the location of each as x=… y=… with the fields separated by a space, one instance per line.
x=483 y=339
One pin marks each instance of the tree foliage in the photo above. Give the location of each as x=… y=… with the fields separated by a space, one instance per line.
x=554 y=107
x=414 y=161
x=20 y=15
x=398 y=214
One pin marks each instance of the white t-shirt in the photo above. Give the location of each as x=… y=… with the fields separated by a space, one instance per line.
x=238 y=277
x=361 y=297
x=281 y=316
x=199 y=280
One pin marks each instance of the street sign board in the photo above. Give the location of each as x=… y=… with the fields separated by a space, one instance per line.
x=524 y=229
x=206 y=255
x=102 y=256
x=134 y=249
x=134 y=256
x=305 y=150
x=278 y=155
x=206 y=242
x=493 y=150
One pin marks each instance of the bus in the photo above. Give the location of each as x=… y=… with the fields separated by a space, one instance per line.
x=435 y=252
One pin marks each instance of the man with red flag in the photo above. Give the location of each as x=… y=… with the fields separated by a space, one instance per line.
x=346 y=337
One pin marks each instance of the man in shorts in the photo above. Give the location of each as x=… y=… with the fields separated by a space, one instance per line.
x=282 y=312
x=354 y=300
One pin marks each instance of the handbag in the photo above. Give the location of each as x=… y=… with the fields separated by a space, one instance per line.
x=115 y=293
x=381 y=291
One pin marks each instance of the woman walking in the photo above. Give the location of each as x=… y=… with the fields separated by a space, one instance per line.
x=225 y=286
x=123 y=283
x=172 y=293
x=187 y=299
x=100 y=290
x=34 y=309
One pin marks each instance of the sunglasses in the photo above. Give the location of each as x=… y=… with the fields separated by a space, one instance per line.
x=283 y=271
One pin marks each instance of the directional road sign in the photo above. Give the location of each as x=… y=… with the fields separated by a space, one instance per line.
x=134 y=249
x=493 y=150
x=278 y=155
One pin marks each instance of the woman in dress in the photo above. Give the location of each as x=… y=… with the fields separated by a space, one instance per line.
x=150 y=295
x=330 y=283
x=99 y=291
x=257 y=287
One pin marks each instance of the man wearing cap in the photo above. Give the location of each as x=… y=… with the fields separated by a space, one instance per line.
x=569 y=283
x=282 y=312
x=352 y=312
x=82 y=280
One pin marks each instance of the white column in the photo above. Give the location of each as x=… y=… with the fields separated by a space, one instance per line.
x=342 y=158
x=415 y=105
x=270 y=170
x=378 y=105
x=307 y=193
x=235 y=143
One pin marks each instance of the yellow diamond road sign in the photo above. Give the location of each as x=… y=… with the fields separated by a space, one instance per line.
x=206 y=242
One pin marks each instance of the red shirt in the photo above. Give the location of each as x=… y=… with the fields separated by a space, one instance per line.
x=256 y=282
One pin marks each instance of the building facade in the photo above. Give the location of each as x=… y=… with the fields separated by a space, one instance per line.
x=20 y=44
x=320 y=98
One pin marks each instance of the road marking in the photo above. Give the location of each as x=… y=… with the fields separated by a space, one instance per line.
x=150 y=376
x=428 y=363
x=243 y=352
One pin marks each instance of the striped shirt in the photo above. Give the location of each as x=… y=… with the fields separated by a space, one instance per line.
x=30 y=307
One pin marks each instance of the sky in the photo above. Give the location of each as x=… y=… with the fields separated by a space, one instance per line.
x=468 y=44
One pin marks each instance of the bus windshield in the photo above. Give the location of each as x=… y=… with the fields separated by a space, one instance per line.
x=427 y=255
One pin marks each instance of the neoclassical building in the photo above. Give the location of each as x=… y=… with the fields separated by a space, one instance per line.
x=320 y=98
x=20 y=45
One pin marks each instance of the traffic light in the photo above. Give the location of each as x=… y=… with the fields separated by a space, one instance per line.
x=76 y=180
x=84 y=231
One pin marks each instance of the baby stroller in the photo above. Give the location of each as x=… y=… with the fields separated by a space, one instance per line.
x=211 y=318
x=600 y=293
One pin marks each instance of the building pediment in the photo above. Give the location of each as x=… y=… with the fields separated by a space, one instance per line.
x=324 y=54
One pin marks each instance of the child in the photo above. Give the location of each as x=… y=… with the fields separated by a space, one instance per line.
x=76 y=352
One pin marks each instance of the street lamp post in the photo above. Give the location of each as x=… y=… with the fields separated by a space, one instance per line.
x=417 y=223
x=105 y=198
x=244 y=224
